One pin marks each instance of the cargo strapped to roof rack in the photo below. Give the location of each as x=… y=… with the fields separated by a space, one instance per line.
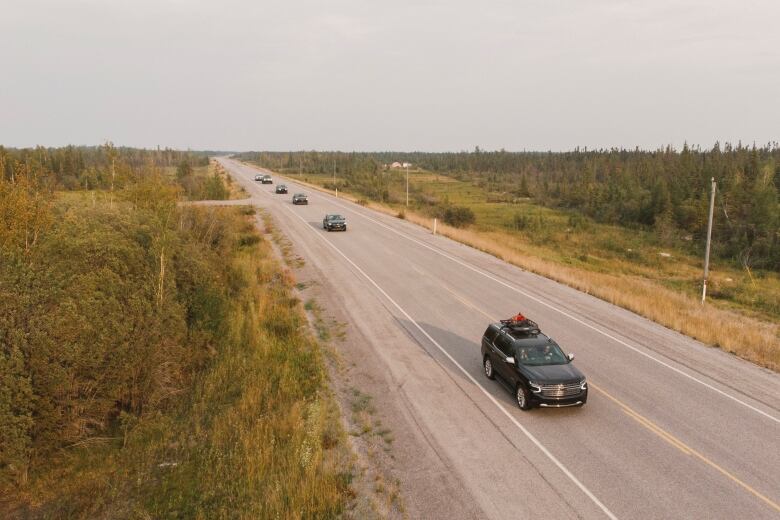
x=522 y=325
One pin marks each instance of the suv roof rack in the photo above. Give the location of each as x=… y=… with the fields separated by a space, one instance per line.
x=525 y=326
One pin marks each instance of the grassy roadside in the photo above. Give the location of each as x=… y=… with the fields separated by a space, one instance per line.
x=611 y=263
x=255 y=434
x=376 y=489
x=235 y=190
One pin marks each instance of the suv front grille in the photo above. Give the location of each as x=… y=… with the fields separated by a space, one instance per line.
x=561 y=390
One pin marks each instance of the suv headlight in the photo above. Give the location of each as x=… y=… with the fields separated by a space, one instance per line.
x=535 y=387
x=584 y=384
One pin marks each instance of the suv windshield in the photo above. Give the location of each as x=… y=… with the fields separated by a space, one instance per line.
x=537 y=355
x=335 y=217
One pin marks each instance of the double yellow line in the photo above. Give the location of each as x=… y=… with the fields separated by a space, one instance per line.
x=646 y=423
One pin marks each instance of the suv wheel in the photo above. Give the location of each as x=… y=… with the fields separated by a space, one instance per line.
x=488 y=365
x=521 y=395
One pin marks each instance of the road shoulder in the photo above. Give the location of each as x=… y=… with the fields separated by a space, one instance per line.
x=399 y=470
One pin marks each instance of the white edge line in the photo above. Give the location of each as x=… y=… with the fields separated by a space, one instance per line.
x=564 y=313
x=527 y=433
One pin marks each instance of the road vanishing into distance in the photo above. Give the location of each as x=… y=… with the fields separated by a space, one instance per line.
x=672 y=429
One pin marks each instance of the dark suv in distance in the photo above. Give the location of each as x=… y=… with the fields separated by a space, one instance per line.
x=281 y=189
x=300 y=198
x=533 y=366
x=266 y=180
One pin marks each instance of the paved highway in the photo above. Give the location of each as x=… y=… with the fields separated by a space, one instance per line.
x=672 y=429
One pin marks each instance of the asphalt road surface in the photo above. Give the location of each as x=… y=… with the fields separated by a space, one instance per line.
x=672 y=429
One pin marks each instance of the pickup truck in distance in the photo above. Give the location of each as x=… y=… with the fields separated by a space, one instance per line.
x=532 y=366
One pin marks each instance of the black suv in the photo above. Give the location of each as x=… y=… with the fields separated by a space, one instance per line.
x=300 y=198
x=281 y=189
x=532 y=365
x=334 y=223
x=266 y=180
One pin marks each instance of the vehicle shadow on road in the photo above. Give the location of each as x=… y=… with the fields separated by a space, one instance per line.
x=316 y=225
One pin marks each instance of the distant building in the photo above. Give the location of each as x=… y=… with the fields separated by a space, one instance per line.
x=401 y=165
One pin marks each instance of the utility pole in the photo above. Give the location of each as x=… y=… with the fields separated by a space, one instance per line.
x=334 y=170
x=407 y=185
x=709 y=238
x=300 y=165
x=113 y=176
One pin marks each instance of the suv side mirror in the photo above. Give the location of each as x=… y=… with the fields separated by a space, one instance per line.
x=510 y=360
x=570 y=356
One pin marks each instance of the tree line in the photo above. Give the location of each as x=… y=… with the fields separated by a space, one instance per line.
x=90 y=167
x=666 y=190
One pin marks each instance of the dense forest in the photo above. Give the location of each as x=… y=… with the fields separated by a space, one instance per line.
x=666 y=189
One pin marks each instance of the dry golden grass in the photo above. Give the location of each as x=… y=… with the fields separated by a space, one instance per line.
x=749 y=338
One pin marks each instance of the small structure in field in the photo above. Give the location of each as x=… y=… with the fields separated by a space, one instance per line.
x=396 y=165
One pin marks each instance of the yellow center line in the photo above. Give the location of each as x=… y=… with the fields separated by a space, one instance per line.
x=652 y=427
x=462 y=299
x=418 y=270
x=658 y=431
x=645 y=422
x=468 y=303
x=682 y=446
x=639 y=418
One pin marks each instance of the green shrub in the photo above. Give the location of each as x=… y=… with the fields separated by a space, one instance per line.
x=214 y=188
x=458 y=216
x=521 y=221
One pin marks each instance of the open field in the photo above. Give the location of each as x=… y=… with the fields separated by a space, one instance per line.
x=628 y=267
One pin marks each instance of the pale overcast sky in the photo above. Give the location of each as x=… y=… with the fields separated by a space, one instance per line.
x=389 y=75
